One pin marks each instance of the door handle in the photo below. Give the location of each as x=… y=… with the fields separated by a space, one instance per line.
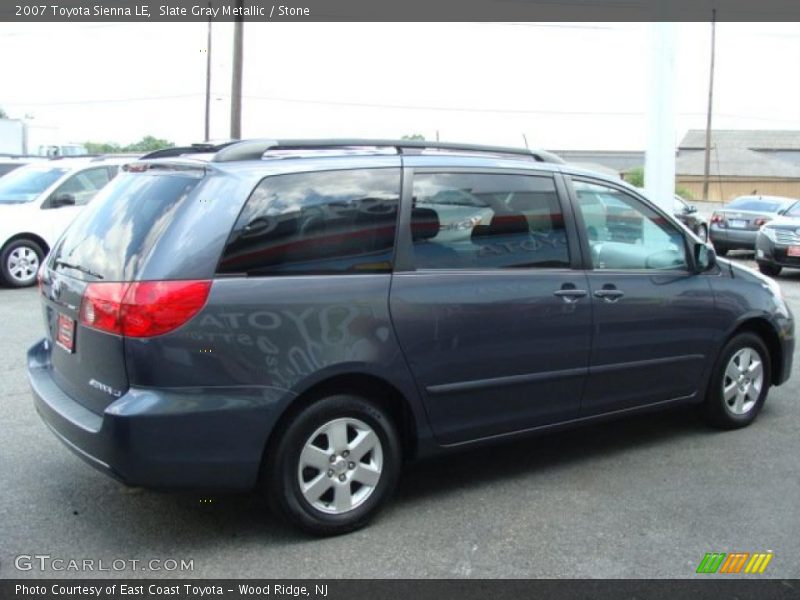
x=609 y=294
x=570 y=295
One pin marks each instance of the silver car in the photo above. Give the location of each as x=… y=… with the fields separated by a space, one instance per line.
x=736 y=225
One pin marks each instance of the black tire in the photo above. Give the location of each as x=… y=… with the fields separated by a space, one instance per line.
x=281 y=476
x=768 y=269
x=721 y=250
x=717 y=411
x=17 y=278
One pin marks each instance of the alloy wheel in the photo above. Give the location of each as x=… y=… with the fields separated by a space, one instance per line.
x=340 y=465
x=22 y=264
x=743 y=381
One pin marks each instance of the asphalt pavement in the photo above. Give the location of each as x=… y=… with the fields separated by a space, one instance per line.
x=644 y=497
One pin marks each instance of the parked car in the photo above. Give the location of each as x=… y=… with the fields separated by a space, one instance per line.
x=736 y=226
x=688 y=215
x=202 y=331
x=38 y=202
x=9 y=163
x=778 y=243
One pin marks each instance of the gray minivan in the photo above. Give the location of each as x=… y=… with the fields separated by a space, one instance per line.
x=305 y=316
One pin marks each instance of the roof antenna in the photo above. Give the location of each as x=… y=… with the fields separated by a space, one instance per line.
x=525 y=139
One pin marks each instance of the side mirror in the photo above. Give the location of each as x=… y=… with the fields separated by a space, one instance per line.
x=692 y=209
x=62 y=200
x=704 y=257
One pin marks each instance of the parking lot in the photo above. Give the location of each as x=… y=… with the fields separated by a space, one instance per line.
x=643 y=497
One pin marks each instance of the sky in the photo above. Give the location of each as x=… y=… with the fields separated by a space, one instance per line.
x=562 y=86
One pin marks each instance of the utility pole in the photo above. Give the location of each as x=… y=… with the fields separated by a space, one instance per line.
x=236 y=83
x=208 y=81
x=707 y=165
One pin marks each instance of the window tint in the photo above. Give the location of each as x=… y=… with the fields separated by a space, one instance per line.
x=482 y=221
x=327 y=222
x=84 y=185
x=115 y=233
x=625 y=233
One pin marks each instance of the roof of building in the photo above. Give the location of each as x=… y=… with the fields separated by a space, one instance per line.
x=734 y=161
x=597 y=168
x=619 y=160
x=754 y=139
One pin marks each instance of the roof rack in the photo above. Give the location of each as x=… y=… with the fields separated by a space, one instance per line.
x=255 y=149
x=201 y=147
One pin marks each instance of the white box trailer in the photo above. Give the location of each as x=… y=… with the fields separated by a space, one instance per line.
x=13 y=136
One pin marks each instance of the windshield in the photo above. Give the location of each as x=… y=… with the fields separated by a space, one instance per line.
x=794 y=211
x=755 y=204
x=26 y=183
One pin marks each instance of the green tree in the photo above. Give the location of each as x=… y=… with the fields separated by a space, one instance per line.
x=102 y=147
x=148 y=143
x=413 y=137
x=635 y=176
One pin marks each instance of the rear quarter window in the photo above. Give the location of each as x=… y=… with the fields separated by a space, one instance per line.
x=312 y=223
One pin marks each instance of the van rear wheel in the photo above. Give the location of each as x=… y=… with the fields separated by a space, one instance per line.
x=334 y=466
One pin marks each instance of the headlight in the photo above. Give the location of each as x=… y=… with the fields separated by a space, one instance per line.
x=769 y=232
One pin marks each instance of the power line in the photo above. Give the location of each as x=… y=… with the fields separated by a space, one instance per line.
x=106 y=101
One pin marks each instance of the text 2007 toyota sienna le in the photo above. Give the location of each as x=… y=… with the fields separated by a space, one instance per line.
x=306 y=316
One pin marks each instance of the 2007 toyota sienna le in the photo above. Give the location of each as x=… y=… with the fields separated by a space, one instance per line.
x=306 y=316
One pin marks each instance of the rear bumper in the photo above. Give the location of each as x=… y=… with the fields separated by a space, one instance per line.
x=190 y=438
x=733 y=239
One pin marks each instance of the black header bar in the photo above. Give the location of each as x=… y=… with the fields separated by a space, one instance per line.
x=146 y=11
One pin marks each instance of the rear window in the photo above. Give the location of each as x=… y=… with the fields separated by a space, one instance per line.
x=112 y=237
x=311 y=223
x=754 y=204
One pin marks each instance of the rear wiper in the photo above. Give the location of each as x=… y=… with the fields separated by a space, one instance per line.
x=63 y=263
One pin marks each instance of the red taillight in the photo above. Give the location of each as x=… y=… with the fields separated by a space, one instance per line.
x=715 y=218
x=144 y=308
x=760 y=222
x=101 y=307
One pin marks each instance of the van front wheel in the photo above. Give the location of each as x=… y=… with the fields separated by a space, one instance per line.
x=334 y=466
x=739 y=383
